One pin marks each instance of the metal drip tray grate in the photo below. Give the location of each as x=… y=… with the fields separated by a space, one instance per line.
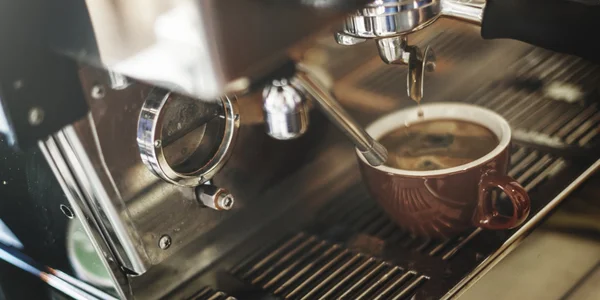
x=531 y=167
x=307 y=267
x=352 y=250
x=552 y=108
x=208 y=293
x=551 y=66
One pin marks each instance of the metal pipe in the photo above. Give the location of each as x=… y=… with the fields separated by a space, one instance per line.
x=374 y=153
x=465 y=10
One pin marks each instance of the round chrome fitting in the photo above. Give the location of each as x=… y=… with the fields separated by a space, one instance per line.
x=186 y=141
x=386 y=18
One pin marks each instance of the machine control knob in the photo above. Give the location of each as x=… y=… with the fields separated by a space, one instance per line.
x=285 y=110
x=214 y=197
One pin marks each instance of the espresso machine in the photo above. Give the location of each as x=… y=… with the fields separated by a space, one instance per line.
x=193 y=149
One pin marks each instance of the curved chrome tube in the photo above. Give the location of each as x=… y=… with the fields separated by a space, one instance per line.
x=465 y=10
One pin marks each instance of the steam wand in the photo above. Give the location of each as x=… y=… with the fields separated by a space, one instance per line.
x=286 y=113
x=373 y=151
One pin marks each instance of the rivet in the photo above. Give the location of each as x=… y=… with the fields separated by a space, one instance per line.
x=164 y=242
x=36 y=116
x=98 y=92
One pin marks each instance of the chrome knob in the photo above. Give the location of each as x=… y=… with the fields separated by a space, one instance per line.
x=285 y=110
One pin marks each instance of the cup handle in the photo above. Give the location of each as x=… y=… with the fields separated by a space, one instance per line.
x=487 y=216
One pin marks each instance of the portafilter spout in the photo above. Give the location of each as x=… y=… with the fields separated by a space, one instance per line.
x=383 y=19
x=559 y=25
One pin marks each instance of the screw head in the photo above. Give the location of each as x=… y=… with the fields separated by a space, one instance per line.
x=36 y=116
x=18 y=84
x=226 y=203
x=157 y=143
x=67 y=211
x=98 y=92
x=164 y=242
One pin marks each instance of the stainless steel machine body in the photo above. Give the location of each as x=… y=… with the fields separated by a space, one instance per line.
x=201 y=48
x=194 y=46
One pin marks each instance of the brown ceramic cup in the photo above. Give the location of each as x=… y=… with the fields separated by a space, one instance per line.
x=446 y=202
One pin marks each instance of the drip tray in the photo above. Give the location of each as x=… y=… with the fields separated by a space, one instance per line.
x=306 y=266
x=352 y=250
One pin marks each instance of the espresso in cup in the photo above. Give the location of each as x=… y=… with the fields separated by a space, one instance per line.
x=437 y=144
x=442 y=168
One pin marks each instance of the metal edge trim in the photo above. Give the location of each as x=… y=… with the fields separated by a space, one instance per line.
x=72 y=192
x=508 y=246
x=124 y=242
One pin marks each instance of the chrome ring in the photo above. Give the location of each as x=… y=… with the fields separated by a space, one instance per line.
x=151 y=149
x=387 y=18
